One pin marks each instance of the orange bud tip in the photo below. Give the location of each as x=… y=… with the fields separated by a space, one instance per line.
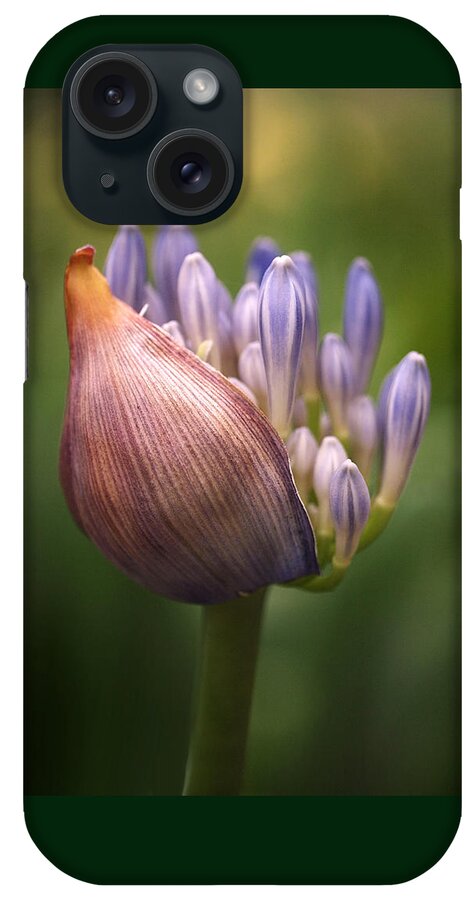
x=83 y=255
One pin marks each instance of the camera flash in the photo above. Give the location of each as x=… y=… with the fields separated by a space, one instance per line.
x=200 y=86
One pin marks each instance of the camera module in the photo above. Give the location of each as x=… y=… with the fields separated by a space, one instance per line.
x=113 y=95
x=190 y=172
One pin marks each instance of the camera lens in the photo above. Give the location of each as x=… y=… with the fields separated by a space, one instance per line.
x=190 y=172
x=113 y=95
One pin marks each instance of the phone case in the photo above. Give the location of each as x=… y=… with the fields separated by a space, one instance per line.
x=176 y=476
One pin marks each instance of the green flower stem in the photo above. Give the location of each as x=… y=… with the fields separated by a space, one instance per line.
x=379 y=518
x=318 y=583
x=325 y=543
x=229 y=652
x=313 y=406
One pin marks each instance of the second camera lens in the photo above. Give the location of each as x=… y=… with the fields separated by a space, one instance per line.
x=190 y=172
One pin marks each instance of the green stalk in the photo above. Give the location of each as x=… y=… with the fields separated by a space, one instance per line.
x=229 y=653
x=379 y=518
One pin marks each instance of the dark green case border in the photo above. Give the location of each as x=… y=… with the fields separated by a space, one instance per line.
x=273 y=51
x=247 y=840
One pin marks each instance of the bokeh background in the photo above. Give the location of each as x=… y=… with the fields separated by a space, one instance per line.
x=358 y=691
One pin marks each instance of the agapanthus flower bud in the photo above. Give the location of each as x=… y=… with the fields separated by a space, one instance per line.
x=349 y=502
x=408 y=405
x=245 y=316
x=310 y=339
x=169 y=469
x=363 y=433
x=243 y=387
x=156 y=311
x=302 y=448
x=126 y=266
x=173 y=328
x=383 y=402
x=172 y=244
x=251 y=371
x=225 y=303
x=329 y=457
x=336 y=380
x=197 y=295
x=300 y=415
x=363 y=321
x=281 y=313
x=263 y=251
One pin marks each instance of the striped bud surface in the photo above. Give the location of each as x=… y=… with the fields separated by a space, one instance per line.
x=363 y=320
x=281 y=313
x=170 y=470
x=407 y=408
x=302 y=448
x=349 y=502
x=126 y=266
x=330 y=456
x=336 y=380
x=172 y=244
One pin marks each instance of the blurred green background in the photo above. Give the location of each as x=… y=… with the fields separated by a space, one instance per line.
x=357 y=692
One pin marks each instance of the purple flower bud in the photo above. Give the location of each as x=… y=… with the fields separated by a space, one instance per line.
x=330 y=456
x=244 y=388
x=349 y=502
x=281 y=311
x=126 y=266
x=363 y=320
x=408 y=404
x=383 y=401
x=173 y=328
x=363 y=433
x=311 y=323
x=336 y=380
x=263 y=251
x=225 y=303
x=302 y=450
x=156 y=311
x=172 y=244
x=245 y=316
x=198 y=303
x=300 y=416
x=251 y=371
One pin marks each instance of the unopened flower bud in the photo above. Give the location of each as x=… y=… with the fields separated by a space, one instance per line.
x=251 y=371
x=197 y=295
x=407 y=409
x=330 y=456
x=336 y=380
x=172 y=244
x=310 y=339
x=363 y=433
x=263 y=251
x=156 y=311
x=245 y=316
x=126 y=266
x=349 y=502
x=177 y=478
x=281 y=313
x=363 y=321
x=302 y=449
